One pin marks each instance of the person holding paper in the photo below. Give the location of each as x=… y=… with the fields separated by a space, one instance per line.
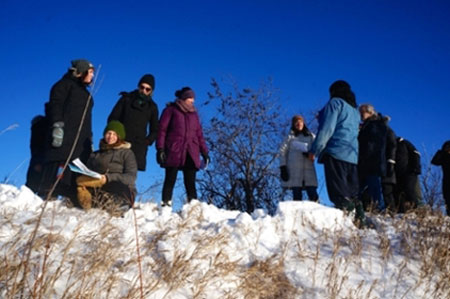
x=115 y=190
x=297 y=170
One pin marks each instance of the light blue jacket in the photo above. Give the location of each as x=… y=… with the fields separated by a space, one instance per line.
x=338 y=132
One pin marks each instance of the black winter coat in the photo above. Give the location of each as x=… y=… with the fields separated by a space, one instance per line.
x=68 y=98
x=140 y=120
x=408 y=159
x=442 y=158
x=376 y=147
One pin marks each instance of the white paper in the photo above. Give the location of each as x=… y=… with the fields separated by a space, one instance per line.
x=79 y=167
x=300 y=146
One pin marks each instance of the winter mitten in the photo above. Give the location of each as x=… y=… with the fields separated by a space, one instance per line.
x=57 y=134
x=284 y=173
x=87 y=181
x=84 y=197
x=161 y=157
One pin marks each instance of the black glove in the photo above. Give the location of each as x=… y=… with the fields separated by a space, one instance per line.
x=205 y=159
x=390 y=168
x=161 y=156
x=306 y=154
x=284 y=173
x=57 y=134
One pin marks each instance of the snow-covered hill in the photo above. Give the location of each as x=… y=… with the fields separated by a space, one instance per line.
x=305 y=251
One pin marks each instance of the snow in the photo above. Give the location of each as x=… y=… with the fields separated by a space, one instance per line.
x=306 y=250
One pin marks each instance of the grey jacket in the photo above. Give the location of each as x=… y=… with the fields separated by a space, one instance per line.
x=119 y=166
x=301 y=170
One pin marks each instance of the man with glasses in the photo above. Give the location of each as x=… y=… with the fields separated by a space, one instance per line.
x=137 y=111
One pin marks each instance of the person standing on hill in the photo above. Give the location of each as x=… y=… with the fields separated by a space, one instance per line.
x=442 y=158
x=39 y=127
x=69 y=110
x=180 y=143
x=408 y=194
x=376 y=160
x=297 y=171
x=137 y=111
x=336 y=146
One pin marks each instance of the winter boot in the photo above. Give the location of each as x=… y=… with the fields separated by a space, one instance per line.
x=84 y=197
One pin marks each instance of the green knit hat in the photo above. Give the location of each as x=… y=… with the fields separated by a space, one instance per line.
x=117 y=127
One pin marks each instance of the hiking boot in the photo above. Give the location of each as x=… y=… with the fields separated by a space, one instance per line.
x=166 y=204
x=84 y=197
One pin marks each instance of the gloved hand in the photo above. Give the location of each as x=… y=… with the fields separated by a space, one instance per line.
x=305 y=154
x=390 y=169
x=284 y=173
x=57 y=134
x=161 y=156
x=206 y=159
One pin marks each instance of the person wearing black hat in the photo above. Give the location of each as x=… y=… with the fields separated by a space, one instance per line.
x=336 y=146
x=69 y=108
x=115 y=190
x=139 y=114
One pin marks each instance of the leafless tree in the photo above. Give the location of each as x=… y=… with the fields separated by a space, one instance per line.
x=244 y=138
x=431 y=183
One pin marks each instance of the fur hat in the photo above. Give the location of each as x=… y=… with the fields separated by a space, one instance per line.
x=117 y=127
x=80 y=66
x=148 y=79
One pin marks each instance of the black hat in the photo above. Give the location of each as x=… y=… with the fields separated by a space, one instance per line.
x=341 y=89
x=149 y=79
x=81 y=66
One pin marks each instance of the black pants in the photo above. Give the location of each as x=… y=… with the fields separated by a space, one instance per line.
x=189 y=174
x=342 y=181
x=310 y=190
x=389 y=196
x=407 y=192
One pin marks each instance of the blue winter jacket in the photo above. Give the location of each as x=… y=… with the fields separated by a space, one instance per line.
x=338 y=132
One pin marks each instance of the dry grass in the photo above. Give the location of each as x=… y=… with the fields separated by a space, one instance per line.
x=412 y=250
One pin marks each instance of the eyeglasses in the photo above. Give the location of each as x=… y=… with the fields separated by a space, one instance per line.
x=145 y=88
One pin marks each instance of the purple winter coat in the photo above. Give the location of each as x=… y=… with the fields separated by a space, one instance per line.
x=180 y=133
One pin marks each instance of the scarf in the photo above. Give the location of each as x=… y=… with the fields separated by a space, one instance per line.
x=185 y=106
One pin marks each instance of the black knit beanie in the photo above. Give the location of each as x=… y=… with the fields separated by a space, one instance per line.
x=149 y=79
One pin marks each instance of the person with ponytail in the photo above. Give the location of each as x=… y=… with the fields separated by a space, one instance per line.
x=180 y=143
x=68 y=111
x=336 y=146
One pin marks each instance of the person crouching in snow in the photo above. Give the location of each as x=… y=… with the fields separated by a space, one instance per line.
x=297 y=170
x=115 y=190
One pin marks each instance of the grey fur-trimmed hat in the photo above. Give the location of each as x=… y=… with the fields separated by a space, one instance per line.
x=80 y=66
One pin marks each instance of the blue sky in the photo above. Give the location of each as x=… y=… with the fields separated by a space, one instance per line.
x=395 y=54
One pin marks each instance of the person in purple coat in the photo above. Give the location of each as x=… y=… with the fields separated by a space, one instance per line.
x=180 y=143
